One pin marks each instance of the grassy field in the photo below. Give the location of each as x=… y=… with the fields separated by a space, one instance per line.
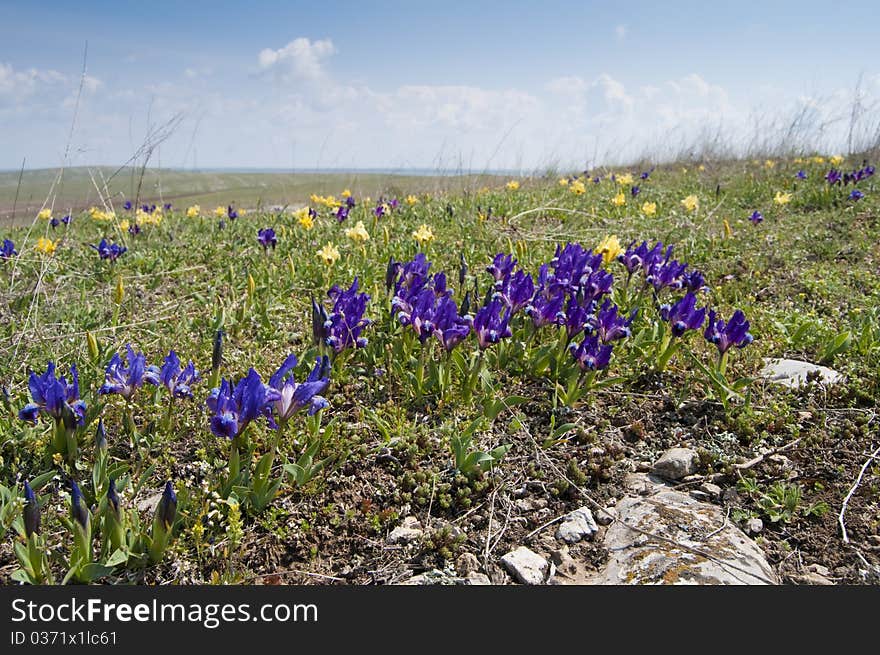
x=409 y=428
x=22 y=195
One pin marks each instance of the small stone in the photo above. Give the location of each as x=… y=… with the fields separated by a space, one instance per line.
x=754 y=526
x=605 y=517
x=702 y=496
x=676 y=463
x=712 y=489
x=730 y=496
x=643 y=467
x=407 y=532
x=821 y=570
x=793 y=373
x=781 y=461
x=149 y=504
x=576 y=526
x=526 y=566
x=530 y=504
x=466 y=564
x=812 y=579
x=477 y=579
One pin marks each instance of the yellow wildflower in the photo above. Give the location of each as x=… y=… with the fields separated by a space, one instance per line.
x=836 y=160
x=618 y=200
x=305 y=218
x=46 y=246
x=649 y=208
x=411 y=200
x=358 y=233
x=609 y=248
x=328 y=254
x=57 y=459
x=625 y=180
x=818 y=160
x=727 y=229
x=423 y=235
x=577 y=187
x=45 y=214
x=563 y=181
x=691 y=203
x=193 y=212
x=701 y=168
x=124 y=224
x=513 y=185
x=769 y=163
x=346 y=194
x=782 y=198
x=220 y=212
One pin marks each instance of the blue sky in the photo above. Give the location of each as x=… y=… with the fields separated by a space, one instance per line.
x=442 y=84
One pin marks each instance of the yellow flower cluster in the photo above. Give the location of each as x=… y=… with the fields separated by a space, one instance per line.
x=358 y=233
x=193 y=212
x=423 y=235
x=329 y=254
x=146 y=218
x=625 y=180
x=513 y=185
x=304 y=218
x=101 y=215
x=782 y=198
x=619 y=200
x=691 y=203
x=45 y=214
x=609 y=248
x=649 y=208
x=327 y=201
x=577 y=187
x=412 y=200
x=563 y=181
x=346 y=194
x=46 y=246
x=836 y=160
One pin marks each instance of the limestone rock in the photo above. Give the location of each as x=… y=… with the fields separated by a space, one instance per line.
x=576 y=526
x=793 y=372
x=677 y=463
x=526 y=566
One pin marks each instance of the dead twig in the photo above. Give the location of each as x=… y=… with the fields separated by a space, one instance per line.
x=852 y=490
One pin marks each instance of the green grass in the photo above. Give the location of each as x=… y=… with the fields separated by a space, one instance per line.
x=807 y=279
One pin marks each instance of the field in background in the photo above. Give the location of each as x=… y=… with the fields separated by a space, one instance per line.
x=78 y=188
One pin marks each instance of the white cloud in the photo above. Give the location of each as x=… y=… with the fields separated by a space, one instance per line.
x=301 y=57
x=620 y=31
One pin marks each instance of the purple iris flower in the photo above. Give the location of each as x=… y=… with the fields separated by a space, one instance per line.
x=683 y=315
x=127 y=206
x=31 y=513
x=694 y=280
x=833 y=176
x=855 y=194
x=577 y=315
x=635 y=191
x=801 y=175
x=54 y=396
x=450 y=328
x=109 y=251
x=756 y=217
x=350 y=203
x=235 y=407
x=502 y=265
x=380 y=210
x=295 y=396
x=725 y=335
x=608 y=325
x=167 y=206
x=346 y=321
x=391 y=272
x=342 y=212
x=669 y=273
x=547 y=309
x=643 y=257
x=8 y=250
x=516 y=290
x=491 y=324
x=134 y=229
x=66 y=219
x=177 y=380
x=231 y=213
x=646 y=174
x=78 y=511
x=267 y=238
x=54 y=222
x=591 y=354
x=125 y=380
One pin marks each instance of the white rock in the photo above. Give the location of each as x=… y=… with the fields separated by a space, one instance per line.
x=712 y=489
x=526 y=566
x=677 y=463
x=576 y=526
x=407 y=532
x=754 y=526
x=691 y=531
x=793 y=372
